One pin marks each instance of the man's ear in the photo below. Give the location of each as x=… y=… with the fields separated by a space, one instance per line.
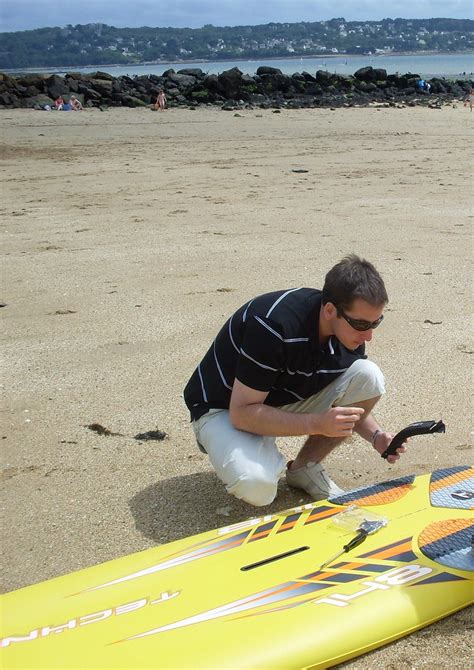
x=329 y=311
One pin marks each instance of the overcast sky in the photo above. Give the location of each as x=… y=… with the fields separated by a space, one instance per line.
x=29 y=14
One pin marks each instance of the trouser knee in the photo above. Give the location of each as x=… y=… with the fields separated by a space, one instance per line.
x=256 y=489
x=366 y=380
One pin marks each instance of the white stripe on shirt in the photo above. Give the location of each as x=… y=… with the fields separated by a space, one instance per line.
x=280 y=299
x=266 y=367
x=244 y=316
x=220 y=371
x=289 y=340
x=204 y=395
x=230 y=335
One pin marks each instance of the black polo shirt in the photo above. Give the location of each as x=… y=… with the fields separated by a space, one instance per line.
x=270 y=344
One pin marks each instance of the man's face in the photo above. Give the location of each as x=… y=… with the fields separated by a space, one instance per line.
x=345 y=323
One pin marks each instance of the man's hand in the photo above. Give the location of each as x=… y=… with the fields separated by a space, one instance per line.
x=382 y=442
x=337 y=421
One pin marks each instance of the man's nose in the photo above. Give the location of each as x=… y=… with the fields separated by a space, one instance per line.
x=368 y=335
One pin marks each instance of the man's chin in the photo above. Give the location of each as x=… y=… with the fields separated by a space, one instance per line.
x=350 y=345
x=353 y=346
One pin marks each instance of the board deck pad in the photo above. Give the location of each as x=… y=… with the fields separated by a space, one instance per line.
x=449 y=543
x=377 y=494
x=253 y=594
x=453 y=487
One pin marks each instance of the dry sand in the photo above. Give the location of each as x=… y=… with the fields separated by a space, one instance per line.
x=129 y=236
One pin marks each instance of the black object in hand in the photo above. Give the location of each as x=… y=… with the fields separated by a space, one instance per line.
x=417 y=428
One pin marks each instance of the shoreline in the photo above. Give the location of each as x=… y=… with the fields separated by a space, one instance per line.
x=331 y=56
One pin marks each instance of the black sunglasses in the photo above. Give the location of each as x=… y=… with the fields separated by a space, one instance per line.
x=359 y=324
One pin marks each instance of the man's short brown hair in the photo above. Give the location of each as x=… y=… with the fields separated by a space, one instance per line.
x=354 y=277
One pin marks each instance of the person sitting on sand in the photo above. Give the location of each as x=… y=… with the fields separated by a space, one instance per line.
x=161 y=100
x=76 y=104
x=59 y=103
x=291 y=363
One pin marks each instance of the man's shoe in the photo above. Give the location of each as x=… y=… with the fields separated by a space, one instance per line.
x=313 y=479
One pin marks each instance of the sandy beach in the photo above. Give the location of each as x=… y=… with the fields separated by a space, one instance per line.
x=129 y=236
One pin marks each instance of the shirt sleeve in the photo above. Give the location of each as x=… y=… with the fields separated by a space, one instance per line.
x=261 y=354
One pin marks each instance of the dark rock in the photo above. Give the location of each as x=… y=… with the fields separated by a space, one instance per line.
x=211 y=82
x=56 y=86
x=323 y=77
x=313 y=89
x=132 y=101
x=118 y=87
x=7 y=100
x=270 y=88
x=342 y=83
x=366 y=74
x=182 y=81
x=380 y=74
x=272 y=83
x=73 y=85
x=102 y=75
x=6 y=79
x=266 y=70
x=36 y=80
x=366 y=86
x=90 y=94
x=192 y=72
x=102 y=86
x=307 y=76
x=38 y=101
x=79 y=76
x=31 y=91
x=257 y=99
x=437 y=86
x=142 y=84
x=153 y=78
x=230 y=83
x=200 y=95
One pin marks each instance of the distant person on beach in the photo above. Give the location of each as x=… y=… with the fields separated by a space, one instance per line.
x=76 y=104
x=59 y=103
x=423 y=85
x=470 y=99
x=290 y=363
x=161 y=100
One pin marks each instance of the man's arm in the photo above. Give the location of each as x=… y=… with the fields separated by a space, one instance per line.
x=369 y=429
x=248 y=412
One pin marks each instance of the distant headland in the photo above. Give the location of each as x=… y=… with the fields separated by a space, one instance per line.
x=81 y=45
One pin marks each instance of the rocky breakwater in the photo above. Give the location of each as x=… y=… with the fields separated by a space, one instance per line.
x=233 y=90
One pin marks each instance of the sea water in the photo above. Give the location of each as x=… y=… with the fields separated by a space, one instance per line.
x=426 y=65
